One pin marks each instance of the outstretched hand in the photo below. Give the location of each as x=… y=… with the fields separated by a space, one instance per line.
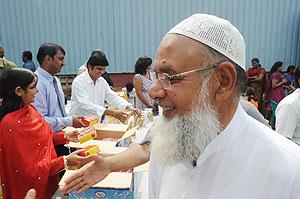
x=77 y=121
x=72 y=135
x=86 y=176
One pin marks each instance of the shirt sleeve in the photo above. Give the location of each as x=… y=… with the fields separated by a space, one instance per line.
x=80 y=93
x=286 y=120
x=58 y=138
x=114 y=99
x=40 y=103
x=56 y=165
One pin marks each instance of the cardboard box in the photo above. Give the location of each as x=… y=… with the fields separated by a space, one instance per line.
x=117 y=185
x=110 y=130
x=106 y=130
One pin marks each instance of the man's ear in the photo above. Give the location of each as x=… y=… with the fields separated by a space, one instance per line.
x=18 y=91
x=226 y=80
x=47 y=59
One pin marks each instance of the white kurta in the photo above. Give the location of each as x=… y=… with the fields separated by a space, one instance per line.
x=88 y=98
x=288 y=116
x=246 y=161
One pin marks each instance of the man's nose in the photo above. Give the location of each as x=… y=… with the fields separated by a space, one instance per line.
x=156 y=91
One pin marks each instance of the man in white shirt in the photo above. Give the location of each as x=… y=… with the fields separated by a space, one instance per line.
x=105 y=75
x=205 y=145
x=90 y=90
x=288 y=113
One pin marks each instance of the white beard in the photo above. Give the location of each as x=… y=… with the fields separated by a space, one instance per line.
x=185 y=138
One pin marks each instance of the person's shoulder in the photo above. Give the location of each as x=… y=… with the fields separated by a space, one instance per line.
x=101 y=80
x=10 y=63
x=291 y=100
x=78 y=77
x=274 y=143
x=137 y=76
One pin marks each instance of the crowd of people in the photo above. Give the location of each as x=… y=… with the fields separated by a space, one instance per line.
x=266 y=89
x=207 y=142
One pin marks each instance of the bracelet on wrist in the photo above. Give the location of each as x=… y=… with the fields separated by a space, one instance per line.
x=66 y=162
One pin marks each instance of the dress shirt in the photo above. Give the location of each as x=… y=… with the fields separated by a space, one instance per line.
x=88 y=98
x=246 y=160
x=46 y=101
x=288 y=116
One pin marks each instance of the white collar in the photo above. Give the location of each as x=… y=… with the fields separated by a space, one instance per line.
x=88 y=78
x=234 y=129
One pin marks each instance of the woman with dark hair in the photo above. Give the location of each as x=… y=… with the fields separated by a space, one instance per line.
x=290 y=78
x=28 y=158
x=142 y=82
x=276 y=90
x=277 y=82
x=256 y=76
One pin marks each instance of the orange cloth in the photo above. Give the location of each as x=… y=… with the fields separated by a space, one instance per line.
x=255 y=103
x=27 y=154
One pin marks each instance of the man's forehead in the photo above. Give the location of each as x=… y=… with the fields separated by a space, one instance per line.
x=178 y=53
x=100 y=67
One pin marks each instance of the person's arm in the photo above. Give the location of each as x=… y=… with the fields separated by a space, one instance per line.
x=260 y=77
x=65 y=137
x=72 y=161
x=40 y=103
x=98 y=169
x=276 y=83
x=286 y=119
x=137 y=83
x=114 y=99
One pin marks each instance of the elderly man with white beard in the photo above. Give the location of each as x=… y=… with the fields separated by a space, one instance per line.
x=205 y=145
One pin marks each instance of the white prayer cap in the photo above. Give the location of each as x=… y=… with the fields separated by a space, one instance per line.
x=216 y=33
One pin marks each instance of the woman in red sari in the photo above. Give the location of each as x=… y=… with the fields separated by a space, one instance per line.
x=28 y=158
x=256 y=76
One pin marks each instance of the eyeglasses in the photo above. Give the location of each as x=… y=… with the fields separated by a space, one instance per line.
x=166 y=80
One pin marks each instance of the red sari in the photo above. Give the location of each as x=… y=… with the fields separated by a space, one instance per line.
x=258 y=86
x=27 y=154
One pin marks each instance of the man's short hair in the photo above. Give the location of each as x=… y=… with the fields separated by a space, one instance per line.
x=97 y=59
x=27 y=55
x=48 y=49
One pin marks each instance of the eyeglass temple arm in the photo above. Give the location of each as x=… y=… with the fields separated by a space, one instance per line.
x=192 y=71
